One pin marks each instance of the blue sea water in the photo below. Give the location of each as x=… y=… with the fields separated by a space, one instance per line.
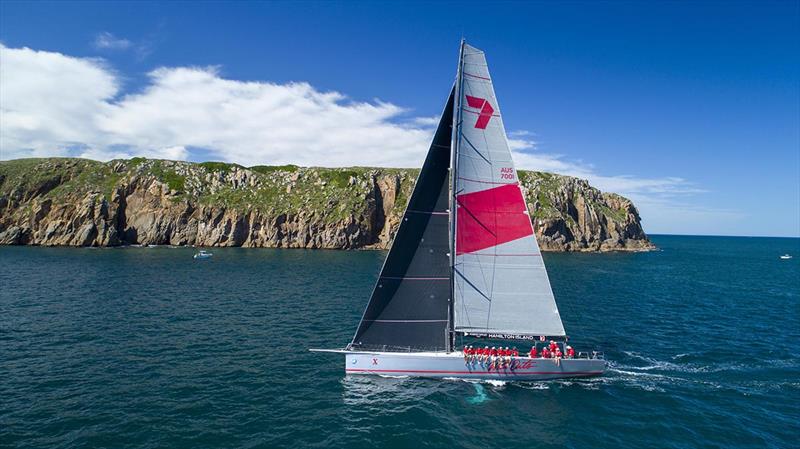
x=146 y=347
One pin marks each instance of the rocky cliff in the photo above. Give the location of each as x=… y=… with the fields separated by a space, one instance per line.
x=78 y=202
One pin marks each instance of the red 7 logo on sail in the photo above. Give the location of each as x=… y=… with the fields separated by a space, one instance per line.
x=486 y=110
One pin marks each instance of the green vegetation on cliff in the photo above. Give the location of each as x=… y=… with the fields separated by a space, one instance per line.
x=330 y=207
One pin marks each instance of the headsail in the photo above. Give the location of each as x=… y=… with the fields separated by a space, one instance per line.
x=408 y=309
x=500 y=282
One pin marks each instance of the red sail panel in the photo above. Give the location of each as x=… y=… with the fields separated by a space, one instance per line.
x=491 y=217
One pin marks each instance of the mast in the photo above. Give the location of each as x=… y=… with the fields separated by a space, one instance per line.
x=451 y=333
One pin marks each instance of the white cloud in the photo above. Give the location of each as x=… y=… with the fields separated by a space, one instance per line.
x=662 y=202
x=107 y=41
x=426 y=121
x=54 y=104
x=49 y=102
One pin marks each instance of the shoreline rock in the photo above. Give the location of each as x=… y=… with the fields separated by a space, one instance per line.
x=79 y=202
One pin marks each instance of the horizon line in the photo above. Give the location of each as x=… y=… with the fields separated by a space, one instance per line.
x=725 y=235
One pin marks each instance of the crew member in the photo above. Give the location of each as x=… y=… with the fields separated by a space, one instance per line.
x=545 y=353
x=553 y=346
x=570 y=352
x=493 y=354
x=533 y=354
x=514 y=352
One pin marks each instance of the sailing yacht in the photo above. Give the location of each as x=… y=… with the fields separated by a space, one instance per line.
x=464 y=262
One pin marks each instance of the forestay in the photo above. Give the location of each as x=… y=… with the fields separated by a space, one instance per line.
x=408 y=309
x=500 y=282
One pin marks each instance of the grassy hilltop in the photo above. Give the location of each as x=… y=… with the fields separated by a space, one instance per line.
x=79 y=202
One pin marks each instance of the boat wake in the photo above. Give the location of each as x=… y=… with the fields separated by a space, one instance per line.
x=492 y=382
x=480 y=395
x=655 y=375
x=651 y=364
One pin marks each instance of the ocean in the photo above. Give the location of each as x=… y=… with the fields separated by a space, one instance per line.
x=148 y=348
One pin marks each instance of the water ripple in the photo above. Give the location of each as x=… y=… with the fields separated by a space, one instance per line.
x=142 y=347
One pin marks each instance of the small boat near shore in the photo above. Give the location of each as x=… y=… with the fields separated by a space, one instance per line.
x=203 y=255
x=786 y=257
x=464 y=266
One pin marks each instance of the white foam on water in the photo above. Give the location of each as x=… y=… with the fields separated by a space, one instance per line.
x=631 y=370
x=650 y=387
x=655 y=364
x=496 y=383
x=461 y=379
x=533 y=385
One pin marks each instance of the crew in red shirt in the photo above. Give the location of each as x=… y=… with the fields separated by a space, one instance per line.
x=553 y=346
x=514 y=352
x=485 y=354
x=492 y=357
x=533 y=354
x=557 y=356
x=545 y=353
x=570 y=352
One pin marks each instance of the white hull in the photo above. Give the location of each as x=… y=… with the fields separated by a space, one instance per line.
x=440 y=365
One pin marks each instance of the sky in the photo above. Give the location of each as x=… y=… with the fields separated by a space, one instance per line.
x=690 y=109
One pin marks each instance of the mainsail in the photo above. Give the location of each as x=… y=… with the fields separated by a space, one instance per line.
x=500 y=282
x=408 y=309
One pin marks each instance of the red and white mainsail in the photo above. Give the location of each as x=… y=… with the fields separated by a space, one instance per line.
x=499 y=279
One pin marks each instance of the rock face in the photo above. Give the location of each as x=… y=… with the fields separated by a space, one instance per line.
x=78 y=202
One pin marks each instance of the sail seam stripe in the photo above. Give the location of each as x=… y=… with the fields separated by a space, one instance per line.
x=409 y=278
x=407 y=321
x=426 y=212
x=506 y=255
x=476 y=76
x=496 y=212
x=478 y=112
